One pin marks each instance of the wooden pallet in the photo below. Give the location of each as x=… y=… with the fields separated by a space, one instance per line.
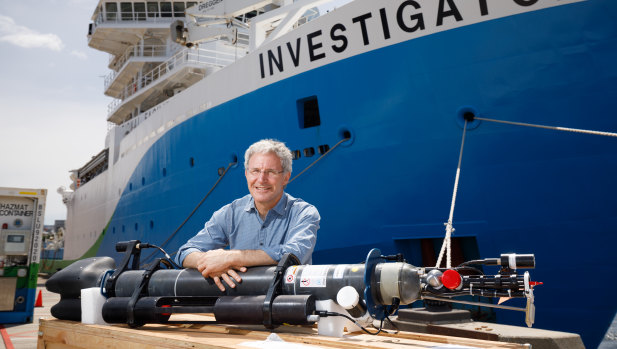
x=61 y=334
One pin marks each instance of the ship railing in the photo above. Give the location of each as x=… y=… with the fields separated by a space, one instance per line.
x=94 y=167
x=129 y=125
x=136 y=17
x=134 y=51
x=138 y=51
x=193 y=57
x=111 y=107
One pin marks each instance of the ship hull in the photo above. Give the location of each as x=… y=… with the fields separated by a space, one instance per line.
x=522 y=189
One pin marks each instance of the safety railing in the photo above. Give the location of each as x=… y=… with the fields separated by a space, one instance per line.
x=134 y=51
x=194 y=57
x=137 y=51
x=136 y=17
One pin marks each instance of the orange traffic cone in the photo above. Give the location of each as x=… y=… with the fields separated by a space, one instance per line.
x=39 y=299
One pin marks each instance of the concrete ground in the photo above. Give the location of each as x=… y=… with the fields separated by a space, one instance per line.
x=24 y=336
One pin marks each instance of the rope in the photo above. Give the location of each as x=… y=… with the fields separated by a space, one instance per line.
x=194 y=210
x=555 y=128
x=319 y=158
x=446 y=246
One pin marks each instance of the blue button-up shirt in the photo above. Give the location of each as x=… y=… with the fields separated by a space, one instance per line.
x=290 y=226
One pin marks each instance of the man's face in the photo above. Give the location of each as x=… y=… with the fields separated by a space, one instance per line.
x=266 y=180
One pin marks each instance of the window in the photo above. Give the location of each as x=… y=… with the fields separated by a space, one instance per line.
x=126 y=10
x=166 y=9
x=111 y=11
x=140 y=11
x=15 y=238
x=178 y=9
x=153 y=9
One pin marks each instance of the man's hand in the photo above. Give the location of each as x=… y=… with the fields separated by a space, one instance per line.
x=223 y=264
x=217 y=264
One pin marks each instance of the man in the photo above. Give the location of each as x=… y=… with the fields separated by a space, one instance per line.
x=260 y=227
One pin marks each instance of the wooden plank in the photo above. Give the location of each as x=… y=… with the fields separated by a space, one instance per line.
x=60 y=334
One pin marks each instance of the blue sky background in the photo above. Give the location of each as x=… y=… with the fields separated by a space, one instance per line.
x=53 y=113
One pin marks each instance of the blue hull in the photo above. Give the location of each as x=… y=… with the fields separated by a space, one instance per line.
x=522 y=189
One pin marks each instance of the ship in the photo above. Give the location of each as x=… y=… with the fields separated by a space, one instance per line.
x=496 y=117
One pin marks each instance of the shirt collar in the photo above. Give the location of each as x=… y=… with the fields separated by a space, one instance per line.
x=281 y=205
x=279 y=208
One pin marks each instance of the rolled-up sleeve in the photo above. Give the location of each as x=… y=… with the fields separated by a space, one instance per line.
x=211 y=237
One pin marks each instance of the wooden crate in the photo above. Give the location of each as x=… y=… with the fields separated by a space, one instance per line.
x=61 y=334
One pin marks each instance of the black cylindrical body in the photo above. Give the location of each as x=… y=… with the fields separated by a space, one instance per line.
x=518 y=261
x=358 y=310
x=115 y=310
x=389 y=282
x=322 y=281
x=127 y=282
x=189 y=282
x=249 y=310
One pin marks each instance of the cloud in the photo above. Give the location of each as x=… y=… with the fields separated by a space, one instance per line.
x=79 y=54
x=25 y=37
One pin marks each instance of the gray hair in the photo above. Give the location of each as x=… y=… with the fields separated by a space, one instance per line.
x=270 y=146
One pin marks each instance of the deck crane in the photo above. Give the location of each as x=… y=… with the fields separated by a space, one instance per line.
x=262 y=20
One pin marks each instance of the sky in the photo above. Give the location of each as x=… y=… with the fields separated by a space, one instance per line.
x=53 y=113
